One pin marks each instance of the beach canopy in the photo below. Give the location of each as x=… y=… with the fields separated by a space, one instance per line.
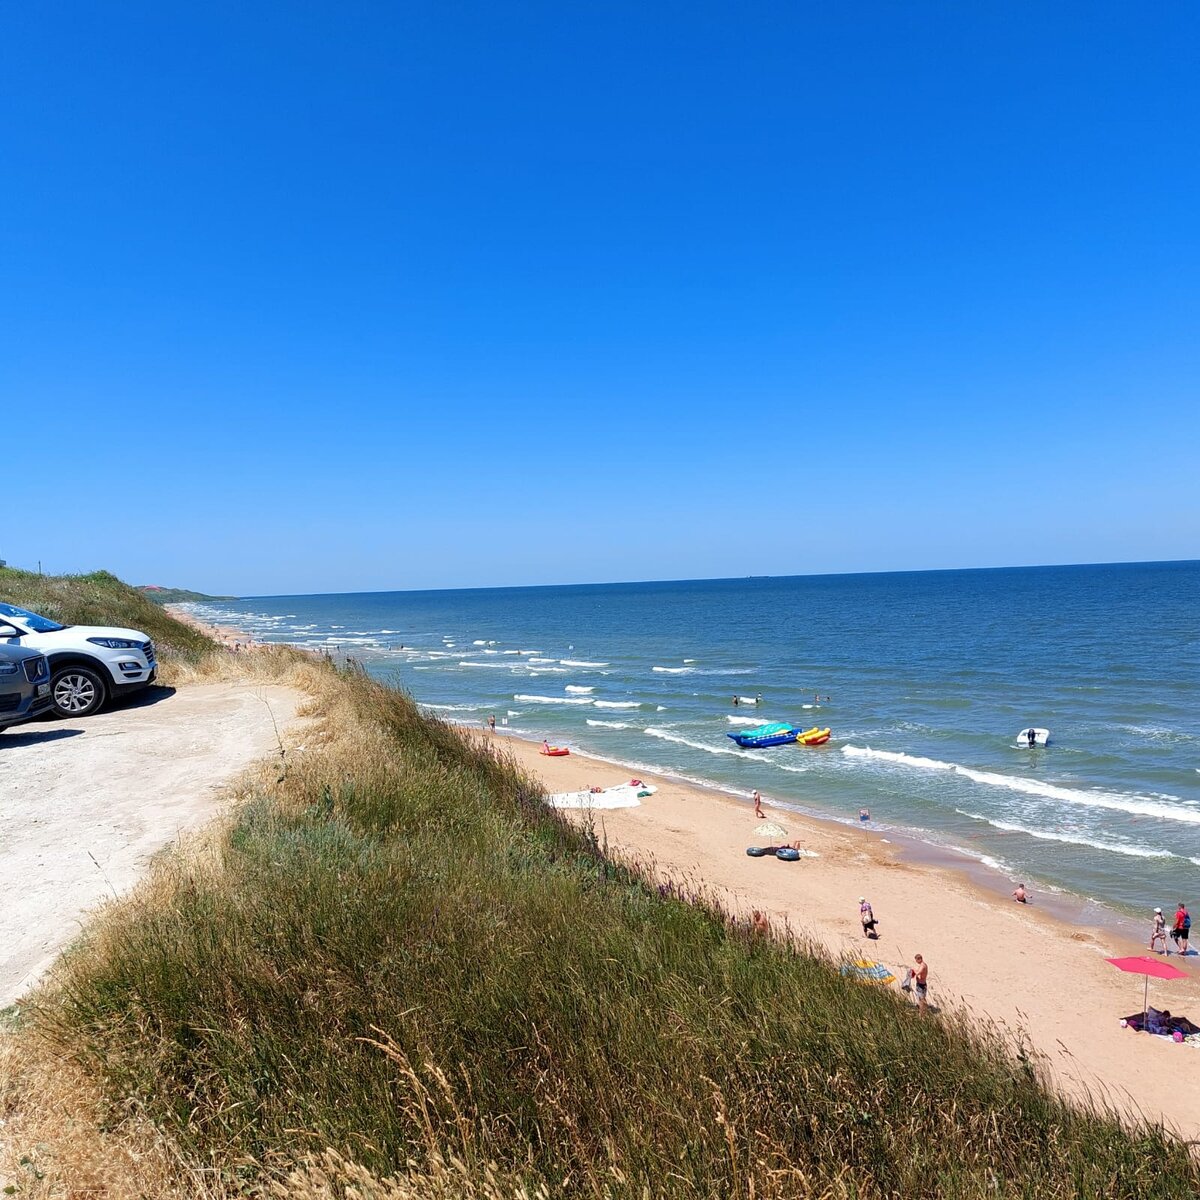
x=770 y=829
x=866 y=970
x=1142 y=964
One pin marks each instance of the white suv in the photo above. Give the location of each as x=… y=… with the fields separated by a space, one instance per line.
x=88 y=663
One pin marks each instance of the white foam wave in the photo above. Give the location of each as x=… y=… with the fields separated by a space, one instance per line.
x=689 y=660
x=744 y=720
x=608 y=724
x=576 y=662
x=1045 y=835
x=1116 y=802
x=479 y=642
x=673 y=670
x=539 y=662
x=729 y=751
x=522 y=698
x=450 y=707
x=577 y=690
x=501 y=665
x=618 y=704
x=747 y=699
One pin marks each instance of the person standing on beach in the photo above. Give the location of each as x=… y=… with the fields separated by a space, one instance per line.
x=758 y=811
x=921 y=982
x=492 y=722
x=1181 y=928
x=1159 y=933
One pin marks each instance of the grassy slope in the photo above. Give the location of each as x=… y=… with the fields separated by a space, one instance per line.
x=400 y=956
x=102 y=599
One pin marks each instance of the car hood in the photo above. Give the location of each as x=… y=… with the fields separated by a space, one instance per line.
x=76 y=632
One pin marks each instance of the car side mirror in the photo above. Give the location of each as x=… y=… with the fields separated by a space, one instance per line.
x=10 y=631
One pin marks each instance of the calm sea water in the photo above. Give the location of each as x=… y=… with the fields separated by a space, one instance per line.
x=929 y=676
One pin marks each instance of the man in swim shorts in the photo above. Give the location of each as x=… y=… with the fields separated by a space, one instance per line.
x=921 y=982
x=1181 y=928
x=1020 y=895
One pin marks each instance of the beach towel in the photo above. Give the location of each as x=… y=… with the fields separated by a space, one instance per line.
x=1161 y=1023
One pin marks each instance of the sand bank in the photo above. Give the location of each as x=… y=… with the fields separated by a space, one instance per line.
x=1019 y=965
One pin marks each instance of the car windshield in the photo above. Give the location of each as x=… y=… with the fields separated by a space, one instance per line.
x=32 y=620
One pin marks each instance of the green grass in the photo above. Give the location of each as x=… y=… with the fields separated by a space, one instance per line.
x=401 y=956
x=102 y=599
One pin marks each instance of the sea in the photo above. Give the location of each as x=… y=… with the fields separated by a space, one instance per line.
x=924 y=678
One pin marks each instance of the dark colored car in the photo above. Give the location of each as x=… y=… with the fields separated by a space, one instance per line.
x=24 y=685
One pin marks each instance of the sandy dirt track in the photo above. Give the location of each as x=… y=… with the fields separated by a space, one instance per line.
x=85 y=804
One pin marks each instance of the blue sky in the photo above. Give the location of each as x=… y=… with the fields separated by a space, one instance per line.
x=317 y=297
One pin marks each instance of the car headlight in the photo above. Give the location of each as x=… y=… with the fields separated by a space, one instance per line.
x=8 y=668
x=115 y=643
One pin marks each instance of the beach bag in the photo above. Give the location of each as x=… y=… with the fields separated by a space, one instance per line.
x=906 y=986
x=1187 y=922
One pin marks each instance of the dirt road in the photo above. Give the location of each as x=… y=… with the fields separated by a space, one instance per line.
x=85 y=804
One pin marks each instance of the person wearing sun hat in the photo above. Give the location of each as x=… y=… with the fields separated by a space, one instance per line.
x=1160 y=931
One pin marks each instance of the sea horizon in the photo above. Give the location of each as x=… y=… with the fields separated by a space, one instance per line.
x=1164 y=562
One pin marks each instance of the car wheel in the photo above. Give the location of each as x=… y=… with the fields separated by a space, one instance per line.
x=77 y=691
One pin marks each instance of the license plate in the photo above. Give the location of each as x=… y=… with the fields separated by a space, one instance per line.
x=43 y=689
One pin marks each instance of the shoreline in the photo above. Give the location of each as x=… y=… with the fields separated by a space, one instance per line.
x=1067 y=907
x=1036 y=972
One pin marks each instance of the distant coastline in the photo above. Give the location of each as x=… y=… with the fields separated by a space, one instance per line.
x=167 y=595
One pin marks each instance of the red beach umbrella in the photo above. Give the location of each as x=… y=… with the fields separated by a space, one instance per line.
x=1141 y=964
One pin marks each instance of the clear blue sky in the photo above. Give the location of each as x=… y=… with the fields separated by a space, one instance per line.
x=331 y=297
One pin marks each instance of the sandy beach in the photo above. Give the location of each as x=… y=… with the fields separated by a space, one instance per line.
x=229 y=636
x=1028 y=971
